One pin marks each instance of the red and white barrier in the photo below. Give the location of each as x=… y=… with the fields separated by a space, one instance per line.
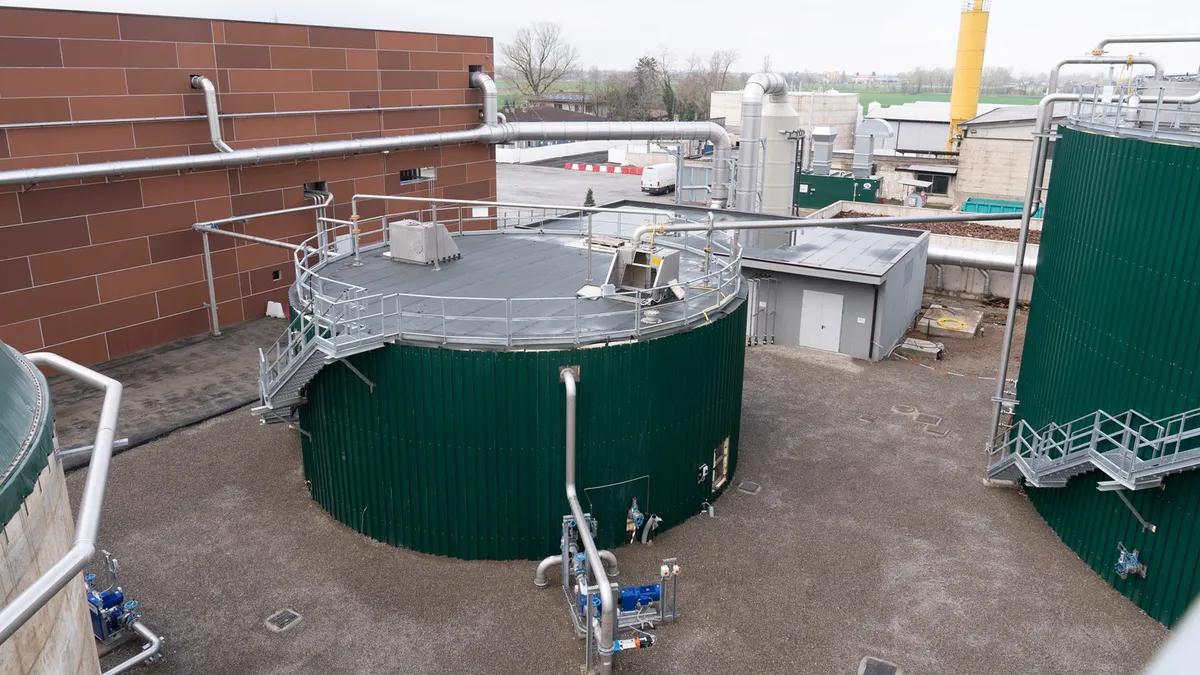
x=601 y=168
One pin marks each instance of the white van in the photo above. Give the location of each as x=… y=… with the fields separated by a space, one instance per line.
x=658 y=179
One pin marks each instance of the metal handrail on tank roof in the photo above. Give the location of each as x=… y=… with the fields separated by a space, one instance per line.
x=87 y=525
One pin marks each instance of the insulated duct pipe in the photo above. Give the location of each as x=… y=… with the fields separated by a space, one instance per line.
x=488 y=133
x=1033 y=201
x=980 y=260
x=481 y=81
x=1143 y=40
x=864 y=144
x=749 y=155
x=87 y=526
x=644 y=230
x=607 y=605
x=1052 y=84
x=210 y=110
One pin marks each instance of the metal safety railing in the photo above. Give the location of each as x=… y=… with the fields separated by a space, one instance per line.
x=1141 y=114
x=1134 y=451
x=338 y=319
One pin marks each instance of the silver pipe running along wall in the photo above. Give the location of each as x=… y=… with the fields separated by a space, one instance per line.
x=493 y=132
x=211 y=112
x=1033 y=201
x=758 y=87
x=87 y=526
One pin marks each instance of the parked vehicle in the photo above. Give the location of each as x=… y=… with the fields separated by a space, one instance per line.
x=658 y=179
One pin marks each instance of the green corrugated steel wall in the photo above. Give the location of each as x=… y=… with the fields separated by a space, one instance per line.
x=460 y=452
x=1114 y=324
x=20 y=414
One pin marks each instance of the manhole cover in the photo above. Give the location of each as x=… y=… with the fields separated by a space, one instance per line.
x=904 y=409
x=936 y=431
x=924 y=418
x=282 y=620
x=749 y=487
x=873 y=666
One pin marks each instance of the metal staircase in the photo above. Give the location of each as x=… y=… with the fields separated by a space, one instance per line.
x=1133 y=450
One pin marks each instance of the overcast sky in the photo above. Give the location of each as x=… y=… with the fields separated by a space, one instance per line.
x=857 y=36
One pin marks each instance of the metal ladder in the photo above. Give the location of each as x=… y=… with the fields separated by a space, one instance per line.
x=1133 y=450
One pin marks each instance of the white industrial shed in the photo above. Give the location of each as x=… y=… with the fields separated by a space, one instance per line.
x=848 y=290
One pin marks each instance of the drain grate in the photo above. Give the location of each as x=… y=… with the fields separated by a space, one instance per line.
x=873 y=666
x=748 y=487
x=282 y=620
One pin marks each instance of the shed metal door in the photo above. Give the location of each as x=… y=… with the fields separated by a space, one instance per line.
x=821 y=320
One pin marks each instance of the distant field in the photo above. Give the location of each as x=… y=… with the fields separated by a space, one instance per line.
x=887 y=98
x=508 y=92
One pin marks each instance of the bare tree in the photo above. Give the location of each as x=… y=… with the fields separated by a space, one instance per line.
x=538 y=56
x=718 y=67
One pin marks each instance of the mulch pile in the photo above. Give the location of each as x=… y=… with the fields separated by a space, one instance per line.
x=973 y=230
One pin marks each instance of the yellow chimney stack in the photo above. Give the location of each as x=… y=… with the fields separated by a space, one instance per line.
x=968 y=66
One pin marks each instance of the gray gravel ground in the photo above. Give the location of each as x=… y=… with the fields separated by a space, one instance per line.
x=870 y=536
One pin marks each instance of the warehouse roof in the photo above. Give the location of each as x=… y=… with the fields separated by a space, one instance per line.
x=862 y=253
x=922 y=111
x=1015 y=113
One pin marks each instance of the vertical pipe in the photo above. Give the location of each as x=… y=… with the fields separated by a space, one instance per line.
x=210 y=109
x=212 y=289
x=607 y=605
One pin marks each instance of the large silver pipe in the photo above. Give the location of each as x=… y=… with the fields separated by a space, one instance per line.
x=1144 y=40
x=87 y=526
x=607 y=605
x=149 y=651
x=481 y=81
x=211 y=112
x=757 y=88
x=488 y=133
x=981 y=260
x=792 y=224
x=231 y=116
x=1033 y=201
x=1052 y=84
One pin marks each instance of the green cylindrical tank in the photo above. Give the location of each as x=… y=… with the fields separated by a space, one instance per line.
x=26 y=429
x=460 y=452
x=1114 y=325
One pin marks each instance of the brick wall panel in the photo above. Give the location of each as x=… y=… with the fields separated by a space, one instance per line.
x=44 y=141
x=362 y=59
x=269 y=80
x=80 y=323
x=195 y=55
x=458 y=79
x=439 y=97
x=136 y=338
x=49 y=299
x=25 y=336
x=32 y=22
x=336 y=168
x=119 y=225
x=182 y=244
x=22 y=240
x=462 y=43
x=92 y=349
x=253 y=128
x=74 y=263
x=411 y=119
x=239 y=32
x=393 y=60
x=170 y=133
x=347 y=123
x=243 y=103
x=478 y=190
x=344 y=80
x=322 y=36
x=135 y=27
x=364 y=99
x=452 y=175
x=370 y=185
x=263 y=279
x=108 y=107
x=132 y=153
x=10 y=213
x=464 y=154
x=224 y=263
x=14 y=275
x=407 y=41
x=254 y=256
x=435 y=61
x=184 y=187
x=23 y=110
x=259 y=179
x=118 y=54
x=49 y=204
x=30 y=53
x=460 y=116
x=408 y=79
x=254 y=306
x=17 y=82
x=213 y=209
x=243 y=56
x=308 y=57
x=257 y=202
x=134 y=281
x=30 y=163
x=195 y=295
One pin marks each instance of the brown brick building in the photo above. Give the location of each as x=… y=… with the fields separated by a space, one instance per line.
x=100 y=268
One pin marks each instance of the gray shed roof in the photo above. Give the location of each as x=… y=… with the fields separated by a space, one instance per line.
x=862 y=254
